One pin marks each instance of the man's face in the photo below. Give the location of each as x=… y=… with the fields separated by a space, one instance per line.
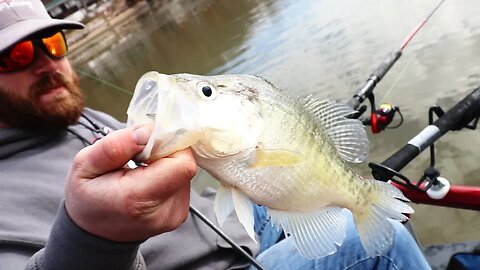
x=45 y=95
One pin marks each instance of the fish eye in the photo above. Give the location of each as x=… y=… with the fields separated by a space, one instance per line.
x=206 y=91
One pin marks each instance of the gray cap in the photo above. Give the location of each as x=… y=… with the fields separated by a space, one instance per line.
x=21 y=18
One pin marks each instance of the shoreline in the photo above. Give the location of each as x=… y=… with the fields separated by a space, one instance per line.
x=103 y=32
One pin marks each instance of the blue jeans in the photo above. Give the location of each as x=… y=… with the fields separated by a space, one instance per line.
x=282 y=255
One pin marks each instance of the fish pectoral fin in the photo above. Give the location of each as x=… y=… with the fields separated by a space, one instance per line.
x=223 y=204
x=316 y=234
x=274 y=158
x=229 y=198
x=244 y=208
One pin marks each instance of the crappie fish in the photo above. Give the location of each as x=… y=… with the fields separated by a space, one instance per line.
x=267 y=148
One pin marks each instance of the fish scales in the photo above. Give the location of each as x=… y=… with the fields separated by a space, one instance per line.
x=320 y=165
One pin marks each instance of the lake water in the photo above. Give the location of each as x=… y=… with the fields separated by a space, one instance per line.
x=326 y=47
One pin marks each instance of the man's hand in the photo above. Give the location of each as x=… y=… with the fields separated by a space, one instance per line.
x=111 y=201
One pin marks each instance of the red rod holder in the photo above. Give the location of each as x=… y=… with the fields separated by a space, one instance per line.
x=465 y=197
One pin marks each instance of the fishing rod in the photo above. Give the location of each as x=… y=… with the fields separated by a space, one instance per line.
x=465 y=114
x=431 y=187
x=232 y=243
x=382 y=117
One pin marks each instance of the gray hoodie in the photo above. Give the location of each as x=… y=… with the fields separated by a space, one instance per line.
x=36 y=232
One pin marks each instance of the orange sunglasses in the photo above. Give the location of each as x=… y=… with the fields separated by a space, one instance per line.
x=21 y=55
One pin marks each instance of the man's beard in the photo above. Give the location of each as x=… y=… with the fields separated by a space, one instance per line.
x=26 y=112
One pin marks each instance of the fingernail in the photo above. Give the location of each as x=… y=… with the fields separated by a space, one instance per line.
x=141 y=134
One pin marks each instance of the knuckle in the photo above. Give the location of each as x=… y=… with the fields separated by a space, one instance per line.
x=190 y=170
x=187 y=166
x=111 y=149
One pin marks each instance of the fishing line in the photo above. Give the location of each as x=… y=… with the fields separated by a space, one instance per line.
x=407 y=40
x=376 y=76
x=397 y=79
x=104 y=82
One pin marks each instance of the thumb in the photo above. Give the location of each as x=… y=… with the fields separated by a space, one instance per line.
x=112 y=152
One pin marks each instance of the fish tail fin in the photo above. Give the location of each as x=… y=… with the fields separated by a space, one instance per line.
x=373 y=222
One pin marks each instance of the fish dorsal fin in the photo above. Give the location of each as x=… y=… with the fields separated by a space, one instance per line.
x=347 y=134
x=274 y=158
x=223 y=204
x=316 y=234
x=244 y=208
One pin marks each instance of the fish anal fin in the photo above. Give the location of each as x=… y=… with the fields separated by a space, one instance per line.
x=274 y=158
x=316 y=234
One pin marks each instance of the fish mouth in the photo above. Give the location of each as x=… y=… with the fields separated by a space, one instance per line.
x=175 y=141
x=157 y=99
